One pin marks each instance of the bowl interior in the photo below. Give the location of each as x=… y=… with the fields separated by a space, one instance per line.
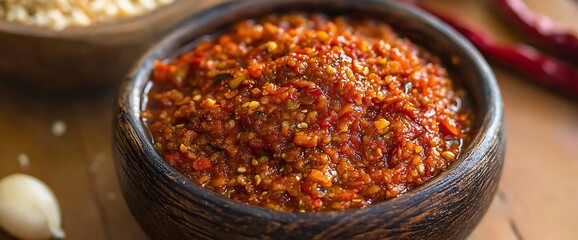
x=471 y=72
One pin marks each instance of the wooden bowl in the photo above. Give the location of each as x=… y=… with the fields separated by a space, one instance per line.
x=169 y=206
x=87 y=57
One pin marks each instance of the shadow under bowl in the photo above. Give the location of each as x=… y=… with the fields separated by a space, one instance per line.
x=169 y=206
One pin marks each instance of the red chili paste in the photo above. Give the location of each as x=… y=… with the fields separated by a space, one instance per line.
x=306 y=112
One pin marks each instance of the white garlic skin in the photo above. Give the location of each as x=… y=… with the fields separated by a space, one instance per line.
x=28 y=208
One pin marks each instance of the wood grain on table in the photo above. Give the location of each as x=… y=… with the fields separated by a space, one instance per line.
x=538 y=193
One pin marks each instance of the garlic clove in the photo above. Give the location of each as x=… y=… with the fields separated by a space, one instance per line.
x=28 y=208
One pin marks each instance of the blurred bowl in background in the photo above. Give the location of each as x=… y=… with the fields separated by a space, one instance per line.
x=78 y=58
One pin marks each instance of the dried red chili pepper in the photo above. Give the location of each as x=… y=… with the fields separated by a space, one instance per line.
x=521 y=58
x=541 y=29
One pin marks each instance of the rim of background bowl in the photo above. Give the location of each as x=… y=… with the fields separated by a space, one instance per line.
x=143 y=22
x=136 y=86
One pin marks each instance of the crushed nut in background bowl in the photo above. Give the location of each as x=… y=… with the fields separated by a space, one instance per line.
x=60 y=14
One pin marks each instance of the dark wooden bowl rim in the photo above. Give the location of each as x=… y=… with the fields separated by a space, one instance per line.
x=490 y=121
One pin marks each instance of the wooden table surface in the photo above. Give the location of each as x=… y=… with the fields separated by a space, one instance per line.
x=537 y=199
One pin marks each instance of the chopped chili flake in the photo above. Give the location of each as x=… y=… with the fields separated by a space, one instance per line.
x=381 y=124
x=305 y=140
x=201 y=164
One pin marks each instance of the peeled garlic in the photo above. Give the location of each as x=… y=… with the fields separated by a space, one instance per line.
x=28 y=208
